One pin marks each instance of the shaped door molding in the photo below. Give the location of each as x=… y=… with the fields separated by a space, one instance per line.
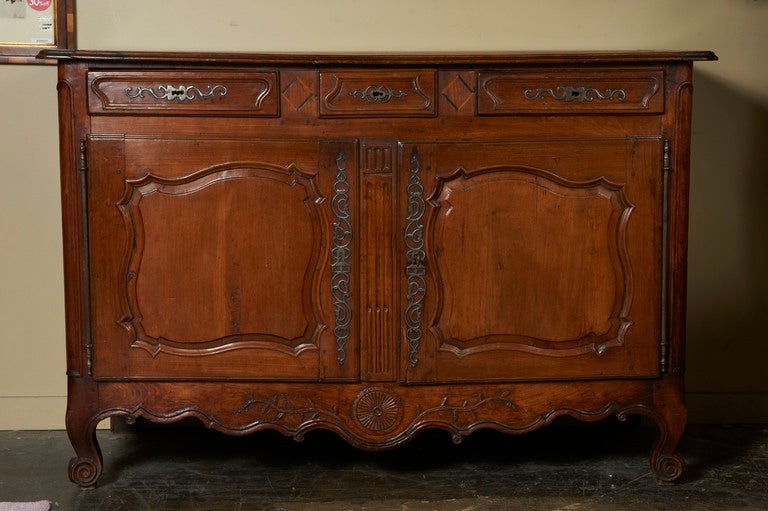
x=153 y=207
x=504 y=197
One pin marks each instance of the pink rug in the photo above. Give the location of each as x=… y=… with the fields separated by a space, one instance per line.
x=42 y=505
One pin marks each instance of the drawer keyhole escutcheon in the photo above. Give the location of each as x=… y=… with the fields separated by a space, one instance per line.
x=180 y=93
x=378 y=93
x=579 y=94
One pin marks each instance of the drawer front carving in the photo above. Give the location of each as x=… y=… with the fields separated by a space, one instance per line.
x=184 y=93
x=571 y=91
x=386 y=93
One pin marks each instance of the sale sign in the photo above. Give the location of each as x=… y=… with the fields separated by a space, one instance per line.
x=39 y=5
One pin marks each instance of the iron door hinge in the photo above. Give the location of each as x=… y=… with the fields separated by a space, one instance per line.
x=88 y=341
x=83 y=167
x=666 y=169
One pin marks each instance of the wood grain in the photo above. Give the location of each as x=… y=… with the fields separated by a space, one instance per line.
x=375 y=244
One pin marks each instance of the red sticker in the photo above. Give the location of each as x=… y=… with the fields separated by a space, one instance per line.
x=39 y=5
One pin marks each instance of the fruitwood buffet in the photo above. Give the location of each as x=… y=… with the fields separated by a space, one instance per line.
x=375 y=244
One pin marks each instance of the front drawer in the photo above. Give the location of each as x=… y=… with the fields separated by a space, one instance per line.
x=563 y=91
x=379 y=93
x=247 y=93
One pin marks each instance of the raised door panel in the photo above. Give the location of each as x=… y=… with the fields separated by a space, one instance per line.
x=219 y=259
x=532 y=260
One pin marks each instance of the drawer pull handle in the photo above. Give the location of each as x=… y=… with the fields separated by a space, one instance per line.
x=579 y=94
x=180 y=93
x=378 y=94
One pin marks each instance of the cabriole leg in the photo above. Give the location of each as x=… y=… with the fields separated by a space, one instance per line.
x=670 y=415
x=85 y=467
x=666 y=464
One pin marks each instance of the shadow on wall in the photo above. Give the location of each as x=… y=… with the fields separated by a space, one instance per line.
x=727 y=349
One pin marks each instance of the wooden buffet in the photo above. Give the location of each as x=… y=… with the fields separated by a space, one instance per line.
x=375 y=244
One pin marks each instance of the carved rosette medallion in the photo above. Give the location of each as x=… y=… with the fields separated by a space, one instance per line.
x=378 y=409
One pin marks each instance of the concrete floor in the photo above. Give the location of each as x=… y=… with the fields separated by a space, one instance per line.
x=567 y=466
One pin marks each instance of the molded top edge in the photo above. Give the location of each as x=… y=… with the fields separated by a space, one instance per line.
x=378 y=59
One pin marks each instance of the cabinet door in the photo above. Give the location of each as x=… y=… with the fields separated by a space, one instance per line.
x=531 y=260
x=220 y=258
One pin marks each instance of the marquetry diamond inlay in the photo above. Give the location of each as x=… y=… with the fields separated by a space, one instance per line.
x=459 y=93
x=297 y=94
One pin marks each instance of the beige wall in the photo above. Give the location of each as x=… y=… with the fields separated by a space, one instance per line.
x=727 y=349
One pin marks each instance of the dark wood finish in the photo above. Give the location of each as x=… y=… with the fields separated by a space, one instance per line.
x=502 y=59
x=326 y=258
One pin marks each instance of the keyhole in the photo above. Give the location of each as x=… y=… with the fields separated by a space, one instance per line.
x=377 y=94
x=574 y=93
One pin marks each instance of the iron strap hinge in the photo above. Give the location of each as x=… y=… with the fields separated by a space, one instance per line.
x=666 y=169
x=83 y=167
